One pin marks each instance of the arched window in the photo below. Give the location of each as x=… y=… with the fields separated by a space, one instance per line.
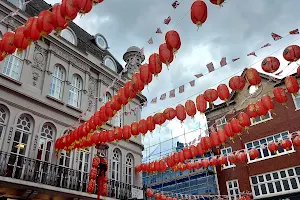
x=84 y=167
x=129 y=169
x=68 y=35
x=46 y=143
x=13 y=65
x=4 y=116
x=116 y=165
x=75 y=91
x=65 y=157
x=57 y=82
x=23 y=130
x=110 y=63
x=107 y=97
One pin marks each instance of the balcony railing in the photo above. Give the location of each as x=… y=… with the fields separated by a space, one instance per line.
x=27 y=169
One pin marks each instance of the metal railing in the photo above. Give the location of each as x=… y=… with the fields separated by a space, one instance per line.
x=33 y=170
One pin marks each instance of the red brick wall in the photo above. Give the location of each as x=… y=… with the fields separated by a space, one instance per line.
x=284 y=119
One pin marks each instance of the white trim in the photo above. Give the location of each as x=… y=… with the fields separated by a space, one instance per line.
x=294 y=99
x=234 y=196
x=230 y=165
x=262 y=120
x=267 y=142
x=98 y=35
x=73 y=34
x=219 y=122
x=273 y=181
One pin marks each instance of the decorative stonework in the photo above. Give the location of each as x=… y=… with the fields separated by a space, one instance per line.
x=35 y=142
x=92 y=88
x=40 y=56
x=10 y=134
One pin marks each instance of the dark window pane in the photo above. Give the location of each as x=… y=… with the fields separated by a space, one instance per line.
x=294 y=183
x=254 y=180
x=261 y=179
x=297 y=170
x=263 y=189
x=268 y=177
x=271 y=188
x=286 y=185
x=275 y=175
x=282 y=174
x=291 y=172
x=256 y=191
x=278 y=186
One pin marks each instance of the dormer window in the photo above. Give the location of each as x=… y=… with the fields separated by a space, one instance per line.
x=110 y=63
x=69 y=35
x=101 y=41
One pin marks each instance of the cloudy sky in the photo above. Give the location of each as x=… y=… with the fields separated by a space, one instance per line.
x=234 y=30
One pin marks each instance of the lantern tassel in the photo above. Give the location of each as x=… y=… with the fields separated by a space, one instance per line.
x=231 y=138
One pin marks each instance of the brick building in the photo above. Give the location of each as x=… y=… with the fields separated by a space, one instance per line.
x=271 y=176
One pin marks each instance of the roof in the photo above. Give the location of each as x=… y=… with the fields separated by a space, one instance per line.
x=86 y=41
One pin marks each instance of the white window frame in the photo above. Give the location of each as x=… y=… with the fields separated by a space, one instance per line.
x=129 y=168
x=85 y=160
x=233 y=196
x=117 y=164
x=226 y=152
x=71 y=32
x=13 y=65
x=117 y=119
x=294 y=99
x=114 y=67
x=253 y=123
x=57 y=82
x=275 y=138
x=3 y=123
x=46 y=139
x=75 y=91
x=221 y=122
x=273 y=181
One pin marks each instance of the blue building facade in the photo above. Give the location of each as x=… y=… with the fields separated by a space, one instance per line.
x=194 y=182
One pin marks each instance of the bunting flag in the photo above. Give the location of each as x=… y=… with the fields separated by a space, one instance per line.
x=150 y=41
x=154 y=100
x=167 y=20
x=192 y=83
x=181 y=89
x=163 y=96
x=210 y=67
x=175 y=4
x=198 y=75
x=266 y=45
x=252 y=54
x=235 y=59
x=223 y=62
x=172 y=93
x=142 y=51
x=276 y=36
x=158 y=30
x=294 y=32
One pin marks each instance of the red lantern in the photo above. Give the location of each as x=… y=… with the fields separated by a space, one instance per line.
x=291 y=53
x=217 y=2
x=222 y=136
x=104 y=188
x=143 y=126
x=126 y=132
x=95 y=138
x=84 y=6
x=232 y=158
x=137 y=83
x=157 y=196
x=181 y=156
x=267 y=102
x=110 y=136
x=175 y=157
x=190 y=108
x=261 y=109
x=270 y=64
x=7 y=44
x=286 y=144
x=253 y=77
x=145 y=74
x=163 y=197
x=194 y=152
x=59 y=23
x=222 y=160
x=223 y=92
x=166 y=56
x=187 y=153
x=244 y=120
x=130 y=92
x=173 y=40
x=93 y=174
x=201 y=103
x=280 y=95
x=44 y=23
x=236 y=127
x=215 y=139
x=149 y=193
x=214 y=161
x=254 y=153
x=210 y=96
x=273 y=147
x=169 y=113
x=242 y=157
x=198 y=12
x=103 y=137
x=292 y=85
x=169 y=198
x=206 y=143
x=118 y=131
x=180 y=113
x=198 y=164
x=251 y=111
x=296 y=141
x=31 y=32
x=122 y=97
x=109 y=112
x=298 y=71
x=135 y=129
x=237 y=83
x=170 y=161
x=68 y=10
x=228 y=131
x=96 y=161
x=159 y=118
x=150 y=123
x=115 y=105
x=97 y=120
x=205 y=163
x=91 y=186
x=102 y=114
x=200 y=151
x=155 y=65
x=97 y=1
